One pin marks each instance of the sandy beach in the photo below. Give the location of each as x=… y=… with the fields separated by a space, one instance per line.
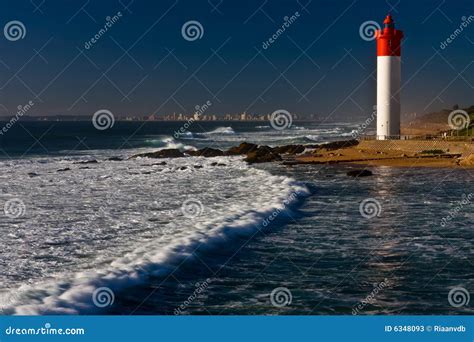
x=395 y=153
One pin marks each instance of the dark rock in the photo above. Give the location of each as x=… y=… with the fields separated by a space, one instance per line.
x=206 y=152
x=93 y=161
x=198 y=166
x=289 y=149
x=146 y=172
x=218 y=164
x=243 y=148
x=183 y=167
x=160 y=163
x=335 y=145
x=33 y=174
x=166 y=153
x=359 y=173
x=62 y=170
x=115 y=159
x=84 y=167
x=263 y=154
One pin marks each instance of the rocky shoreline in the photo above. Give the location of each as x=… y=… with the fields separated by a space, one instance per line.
x=254 y=153
x=351 y=152
x=374 y=153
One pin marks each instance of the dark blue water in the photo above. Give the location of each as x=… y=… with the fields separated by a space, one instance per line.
x=331 y=258
x=27 y=138
x=320 y=257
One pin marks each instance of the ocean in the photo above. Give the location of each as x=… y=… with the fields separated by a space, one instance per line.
x=88 y=231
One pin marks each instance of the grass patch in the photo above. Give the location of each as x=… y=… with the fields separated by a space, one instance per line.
x=432 y=152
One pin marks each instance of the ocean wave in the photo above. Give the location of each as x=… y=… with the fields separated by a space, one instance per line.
x=185 y=135
x=71 y=293
x=220 y=130
x=204 y=136
x=313 y=137
x=167 y=143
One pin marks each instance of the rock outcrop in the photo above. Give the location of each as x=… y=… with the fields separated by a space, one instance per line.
x=359 y=173
x=115 y=159
x=243 y=148
x=93 y=161
x=206 y=152
x=254 y=153
x=262 y=154
x=289 y=149
x=336 y=145
x=166 y=153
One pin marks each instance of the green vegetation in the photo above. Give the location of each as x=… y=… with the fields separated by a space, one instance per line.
x=433 y=152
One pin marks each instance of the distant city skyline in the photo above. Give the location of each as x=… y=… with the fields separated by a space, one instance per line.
x=139 y=59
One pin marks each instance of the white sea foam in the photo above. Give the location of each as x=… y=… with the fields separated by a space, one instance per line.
x=220 y=133
x=168 y=142
x=115 y=224
x=221 y=130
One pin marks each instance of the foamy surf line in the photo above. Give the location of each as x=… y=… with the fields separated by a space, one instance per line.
x=75 y=295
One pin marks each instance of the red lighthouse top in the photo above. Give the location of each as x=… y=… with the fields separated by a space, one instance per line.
x=388 y=39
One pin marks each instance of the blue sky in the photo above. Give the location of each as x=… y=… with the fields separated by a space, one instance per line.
x=320 y=65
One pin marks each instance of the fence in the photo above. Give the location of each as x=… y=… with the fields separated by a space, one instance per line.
x=418 y=137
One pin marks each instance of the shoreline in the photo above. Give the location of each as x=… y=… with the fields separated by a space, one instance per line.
x=395 y=153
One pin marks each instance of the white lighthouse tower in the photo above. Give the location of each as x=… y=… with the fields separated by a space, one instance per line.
x=388 y=80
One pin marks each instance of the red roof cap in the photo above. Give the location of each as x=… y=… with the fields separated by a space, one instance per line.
x=388 y=20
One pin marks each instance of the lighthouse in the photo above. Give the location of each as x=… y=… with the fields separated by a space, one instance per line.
x=388 y=80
